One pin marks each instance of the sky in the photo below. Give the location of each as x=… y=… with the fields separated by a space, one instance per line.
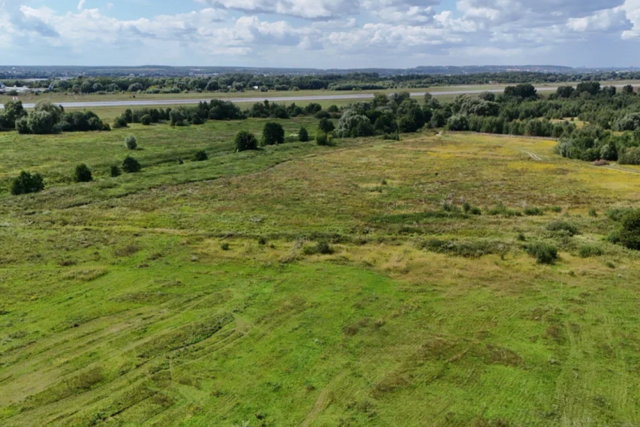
x=320 y=33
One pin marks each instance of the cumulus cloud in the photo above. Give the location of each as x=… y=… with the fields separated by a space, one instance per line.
x=311 y=9
x=333 y=29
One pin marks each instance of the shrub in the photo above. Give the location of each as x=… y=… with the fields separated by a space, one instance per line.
x=303 y=135
x=146 y=120
x=561 y=226
x=322 y=248
x=586 y=251
x=130 y=142
x=593 y=213
x=556 y=209
x=82 y=174
x=120 y=122
x=533 y=212
x=131 y=165
x=629 y=234
x=27 y=183
x=115 y=171
x=201 y=156
x=246 y=141
x=543 y=253
x=616 y=214
x=323 y=139
x=272 y=134
x=225 y=247
x=465 y=249
x=326 y=126
x=262 y=241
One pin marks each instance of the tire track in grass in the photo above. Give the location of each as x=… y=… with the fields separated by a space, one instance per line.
x=323 y=402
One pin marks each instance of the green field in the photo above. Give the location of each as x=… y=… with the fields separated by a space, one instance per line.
x=120 y=307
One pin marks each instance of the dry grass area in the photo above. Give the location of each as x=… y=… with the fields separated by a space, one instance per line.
x=207 y=300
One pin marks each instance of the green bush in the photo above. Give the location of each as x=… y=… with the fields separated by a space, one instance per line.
x=225 y=247
x=303 y=135
x=586 y=251
x=146 y=120
x=629 y=233
x=323 y=139
x=322 y=248
x=465 y=249
x=131 y=142
x=246 y=141
x=561 y=226
x=27 y=183
x=533 y=211
x=82 y=174
x=201 y=156
x=556 y=209
x=131 y=165
x=115 y=171
x=326 y=126
x=543 y=253
x=120 y=122
x=272 y=134
x=616 y=214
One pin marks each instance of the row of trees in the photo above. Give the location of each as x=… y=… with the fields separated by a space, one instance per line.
x=351 y=81
x=48 y=118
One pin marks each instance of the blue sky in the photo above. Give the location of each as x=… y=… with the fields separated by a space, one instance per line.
x=320 y=33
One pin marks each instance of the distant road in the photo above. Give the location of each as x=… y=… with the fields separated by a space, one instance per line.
x=353 y=96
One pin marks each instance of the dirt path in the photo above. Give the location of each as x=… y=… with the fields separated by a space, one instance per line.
x=323 y=401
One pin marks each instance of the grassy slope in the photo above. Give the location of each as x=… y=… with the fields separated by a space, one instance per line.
x=120 y=308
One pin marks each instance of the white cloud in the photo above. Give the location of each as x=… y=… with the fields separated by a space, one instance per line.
x=337 y=31
x=310 y=9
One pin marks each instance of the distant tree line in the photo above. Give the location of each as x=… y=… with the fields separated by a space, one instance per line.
x=239 y=82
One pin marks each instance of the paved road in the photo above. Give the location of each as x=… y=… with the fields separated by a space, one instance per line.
x=352 y=96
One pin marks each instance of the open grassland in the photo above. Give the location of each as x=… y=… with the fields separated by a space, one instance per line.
x=121 y=308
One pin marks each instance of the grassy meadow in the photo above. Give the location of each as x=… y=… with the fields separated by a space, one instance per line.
x=193 y=294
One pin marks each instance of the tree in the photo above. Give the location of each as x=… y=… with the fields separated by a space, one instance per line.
x=630 y=232
x=27 y=183
x=82 y=174
x=458 y=123
x=326 y=126
x=136 y=87
x=592 y=88
x=487 y=96
x=130 y=142
x=522 y=91
x=56 y=111
x=303 y=135
x=114 y=171
x=246 y=141
x=353 y=124
x=40 y=123
x=565 y=91
x=272 y=134
x=201 y=156
x=145 y=120
x=131 y=165
x=13 y=110
x=628 y=90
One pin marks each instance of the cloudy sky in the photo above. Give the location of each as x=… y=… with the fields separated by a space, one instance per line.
x=320 y=33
